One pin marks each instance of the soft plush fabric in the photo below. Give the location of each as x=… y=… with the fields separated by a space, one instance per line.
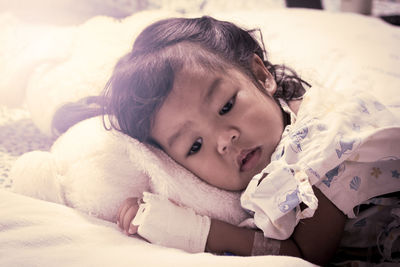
x=18 y=135
x=90 y=50
x=39 y=233
x=357 y=49
x=45 y=67
x=94 y=170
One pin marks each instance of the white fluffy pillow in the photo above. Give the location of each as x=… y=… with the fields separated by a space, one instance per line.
x=48 y=66
x=333 y=49
x=94 y=170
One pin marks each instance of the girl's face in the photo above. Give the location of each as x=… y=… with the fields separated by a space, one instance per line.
x=220 y=126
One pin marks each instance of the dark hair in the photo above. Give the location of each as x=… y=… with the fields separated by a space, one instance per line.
x=143 y=78
x=71 y=113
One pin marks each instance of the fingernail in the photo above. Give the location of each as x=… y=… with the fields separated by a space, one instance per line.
x=130 y=231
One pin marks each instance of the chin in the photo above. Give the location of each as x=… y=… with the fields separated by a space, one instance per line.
x=239 y=188
x=265 y=160
x=244 y=182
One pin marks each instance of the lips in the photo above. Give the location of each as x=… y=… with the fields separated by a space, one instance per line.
x=248 y=159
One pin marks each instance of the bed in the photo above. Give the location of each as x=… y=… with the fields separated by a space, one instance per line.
x=44 y=66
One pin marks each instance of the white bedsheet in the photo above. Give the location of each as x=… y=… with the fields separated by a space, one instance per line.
x=333 y=48
x=39 y=233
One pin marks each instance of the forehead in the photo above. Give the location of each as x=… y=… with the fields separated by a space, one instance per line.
x=195 y=84
x=189 y=87
x=188 y=98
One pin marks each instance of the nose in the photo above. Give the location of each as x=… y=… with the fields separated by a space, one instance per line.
x=226 y=139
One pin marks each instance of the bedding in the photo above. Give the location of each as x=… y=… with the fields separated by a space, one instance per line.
x=38 y=233
x=75 y=61
x=18 y=135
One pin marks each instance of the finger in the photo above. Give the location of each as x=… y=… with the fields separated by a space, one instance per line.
x=124 y=207
x=119 y=211
x=129 y=215
x=133 y=229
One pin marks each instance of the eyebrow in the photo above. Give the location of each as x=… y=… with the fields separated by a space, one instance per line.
x=178 y=133
x=211 y=91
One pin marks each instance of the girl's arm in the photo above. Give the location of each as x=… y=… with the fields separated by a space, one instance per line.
x=315 y=239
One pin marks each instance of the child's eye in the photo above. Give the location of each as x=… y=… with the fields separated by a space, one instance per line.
x=228 y=106
x=195 y=147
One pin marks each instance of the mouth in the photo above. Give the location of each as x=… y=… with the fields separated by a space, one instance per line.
x=248 y=159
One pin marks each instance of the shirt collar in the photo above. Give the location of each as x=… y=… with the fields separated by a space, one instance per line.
x=285 y=107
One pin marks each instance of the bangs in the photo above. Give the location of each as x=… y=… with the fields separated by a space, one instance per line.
x=141 y=83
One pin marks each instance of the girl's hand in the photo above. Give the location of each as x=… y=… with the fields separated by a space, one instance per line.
x=126 y=212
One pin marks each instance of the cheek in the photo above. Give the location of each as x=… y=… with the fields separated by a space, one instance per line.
x=205 y=167
x=264 y=123
x=256 y=119
x=211 y=170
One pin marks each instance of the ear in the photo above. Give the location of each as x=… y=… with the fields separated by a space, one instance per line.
x=264 y=77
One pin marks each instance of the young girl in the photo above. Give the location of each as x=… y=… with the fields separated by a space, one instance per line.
x=204 y=92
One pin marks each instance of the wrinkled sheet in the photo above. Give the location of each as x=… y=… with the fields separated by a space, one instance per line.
x=39 y=233
x=332 y=49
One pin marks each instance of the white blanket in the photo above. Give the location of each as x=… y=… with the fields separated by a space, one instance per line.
x=39 y=233
x=333 y=49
